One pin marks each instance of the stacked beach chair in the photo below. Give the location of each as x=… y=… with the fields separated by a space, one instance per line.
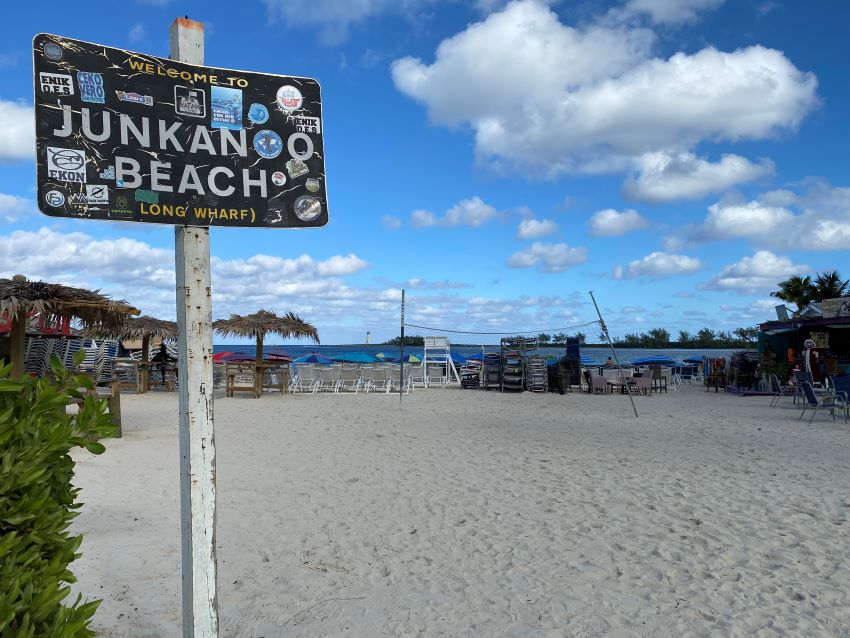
x=492 y=371
x=536 y=374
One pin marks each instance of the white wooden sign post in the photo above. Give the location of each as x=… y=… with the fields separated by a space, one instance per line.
x=194 y=362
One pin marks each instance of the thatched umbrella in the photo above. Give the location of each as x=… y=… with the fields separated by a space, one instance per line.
x=19 y=297
x=144 y=328
x=265 y=322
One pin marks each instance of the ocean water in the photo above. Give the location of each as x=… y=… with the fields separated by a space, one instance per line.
x=598 y=355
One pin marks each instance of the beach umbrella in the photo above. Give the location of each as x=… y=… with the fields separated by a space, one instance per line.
x=356 y=357
x=264 y=322
x=20 y=297
x=237 y=357
x=220 y=356
x=280 y=354
x=314 y=357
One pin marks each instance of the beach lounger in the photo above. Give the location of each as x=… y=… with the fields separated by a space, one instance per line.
x=598 y=384
x=327 y=378
x=381 y=379
x=417 y=376
x=435 y=376
x=306 y=380
x=349 y=380
x=828 y=400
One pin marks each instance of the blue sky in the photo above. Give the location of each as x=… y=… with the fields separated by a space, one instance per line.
x=496 y=159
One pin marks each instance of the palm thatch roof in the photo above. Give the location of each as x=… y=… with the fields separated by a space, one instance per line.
x=141 y=328
x=266 y=322
x=93 y=309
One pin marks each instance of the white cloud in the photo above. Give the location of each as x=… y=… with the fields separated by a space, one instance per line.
x=334 y=18
x=13 y=207
x=611 y=223
x=422 y=219
x=547 y=98
x=145 y=274
x=631 y=310
x=136 y=34
x=665 y=177
x=444 y=284
x=658 y=265
x=548 y=257
x=671 y=11
x=391 y=222
x=758 y=274
x=17 y=131
x=742 y=220
x=818 y=219
x=536 y=228
x=472 y=212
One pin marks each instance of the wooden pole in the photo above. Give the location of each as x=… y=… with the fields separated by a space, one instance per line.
x=146 y=342
x=194 y=362
x=18 y=345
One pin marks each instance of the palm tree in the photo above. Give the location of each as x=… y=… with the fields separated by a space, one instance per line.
x=796 y=290
x=828 y=285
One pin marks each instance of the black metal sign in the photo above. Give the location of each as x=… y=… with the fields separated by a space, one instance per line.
x=127 y=136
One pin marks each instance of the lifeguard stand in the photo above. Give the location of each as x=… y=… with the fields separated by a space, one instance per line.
x=438 y=350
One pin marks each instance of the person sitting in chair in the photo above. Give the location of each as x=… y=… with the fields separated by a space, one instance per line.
x=163 y=359
x=610 y=363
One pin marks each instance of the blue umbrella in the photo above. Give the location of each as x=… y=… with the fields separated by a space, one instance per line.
x=357 y=357
x=314 y=357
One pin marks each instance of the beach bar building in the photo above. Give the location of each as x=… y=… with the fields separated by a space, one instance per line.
x=826 y=323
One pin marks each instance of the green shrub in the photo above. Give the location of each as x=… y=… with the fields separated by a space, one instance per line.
x=38 y=502
x=781 y=369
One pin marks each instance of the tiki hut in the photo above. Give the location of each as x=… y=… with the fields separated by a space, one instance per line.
x=20 y=298
x=142 y=328
x=264 y=322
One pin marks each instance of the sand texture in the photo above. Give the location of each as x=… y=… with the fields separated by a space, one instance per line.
x=480 y=514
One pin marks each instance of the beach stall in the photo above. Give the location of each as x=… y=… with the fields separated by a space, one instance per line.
x=144 y=329
x=21 y=299
x=261 y=375
x=818 y=342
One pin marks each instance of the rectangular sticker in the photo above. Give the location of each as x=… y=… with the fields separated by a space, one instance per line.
x=308 y=124
x=66 y=164
x=97 y=194
x=226 y=108
x=56 y=84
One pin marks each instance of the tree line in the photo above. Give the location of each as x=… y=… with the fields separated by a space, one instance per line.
x=704 y=338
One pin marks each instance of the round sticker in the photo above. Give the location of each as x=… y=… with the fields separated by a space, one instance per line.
x=312 y=185
x=268 y=144
x=289 y=98
x=52 y=51
x=258 y=114
x=54 y=198
x=278 y=178
x=307 y=208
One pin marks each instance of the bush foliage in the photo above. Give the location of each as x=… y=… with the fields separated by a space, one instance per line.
x=38 y=501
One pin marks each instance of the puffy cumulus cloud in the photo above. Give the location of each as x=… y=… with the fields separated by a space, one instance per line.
x=817 y=219
x=658 y=265
x=472 y=212
x=728 y=221
x=17 y=131
x=670 y=11
x=535 y=228
x=548 y=98
x=548 y=257
x=756 y=274
x=13 y=207
x=631 y=310
x=665 y=177
x=611 y=223
x=334 y=18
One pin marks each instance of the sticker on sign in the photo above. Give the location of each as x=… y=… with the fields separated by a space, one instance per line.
x=66 y=164
x=56 y=84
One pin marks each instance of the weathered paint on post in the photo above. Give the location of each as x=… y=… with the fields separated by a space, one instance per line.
x=194 y=362
x=18 y=345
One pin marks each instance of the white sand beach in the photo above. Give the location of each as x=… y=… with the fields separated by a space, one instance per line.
x=482 y=514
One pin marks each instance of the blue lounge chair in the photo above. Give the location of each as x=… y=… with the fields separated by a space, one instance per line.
x=813 y=402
